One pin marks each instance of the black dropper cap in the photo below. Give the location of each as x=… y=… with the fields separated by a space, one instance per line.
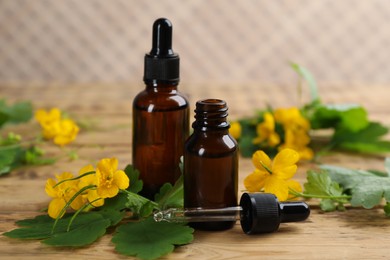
x=162 y=64
x=262 y=212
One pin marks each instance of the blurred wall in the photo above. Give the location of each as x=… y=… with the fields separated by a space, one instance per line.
x=226 y=42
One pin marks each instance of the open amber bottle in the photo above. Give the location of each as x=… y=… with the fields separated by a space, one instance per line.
x=160 y=115
x=211 y=163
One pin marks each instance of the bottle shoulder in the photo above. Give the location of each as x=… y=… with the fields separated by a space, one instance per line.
x=160 y=100
x=211 y=144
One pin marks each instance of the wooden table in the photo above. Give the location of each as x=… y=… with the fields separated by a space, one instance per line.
x=354 y=234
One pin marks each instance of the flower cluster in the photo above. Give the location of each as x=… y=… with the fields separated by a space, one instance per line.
x=274 y=131
x=61 y=130
x=274 y=177
x=88 y=190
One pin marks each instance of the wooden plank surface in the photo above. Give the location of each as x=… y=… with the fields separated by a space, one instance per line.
x=355 y=234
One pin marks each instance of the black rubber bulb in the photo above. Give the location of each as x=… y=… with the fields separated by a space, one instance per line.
x=162 y=65
x=162 y=38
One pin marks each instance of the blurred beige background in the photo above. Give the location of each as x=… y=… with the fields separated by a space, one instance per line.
x=221 y=42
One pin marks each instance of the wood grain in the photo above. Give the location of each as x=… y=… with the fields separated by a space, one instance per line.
x=354 y=234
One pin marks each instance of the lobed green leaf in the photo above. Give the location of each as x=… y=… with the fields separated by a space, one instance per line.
x=148 y=239
x=85 y=229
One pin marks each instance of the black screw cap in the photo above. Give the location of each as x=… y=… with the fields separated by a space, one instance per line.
x=262 y=213
x=162 y=65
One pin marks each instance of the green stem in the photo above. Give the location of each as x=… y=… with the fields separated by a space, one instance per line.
x=75 y=178
x=70 y=202
x=315 y=196
x=266 y=167
x=79 y=211
x=140 y=198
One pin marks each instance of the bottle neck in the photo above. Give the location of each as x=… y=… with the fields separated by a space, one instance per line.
x=160 y=87
x=210 y=115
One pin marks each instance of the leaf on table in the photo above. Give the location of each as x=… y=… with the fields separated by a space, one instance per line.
x=117 y=203
x=320 y=184
x=366 y=140
x=171 y=196
x=85 y=229
x=135 y=183
x=148 y=239
x=138 y=204
x=9 y=158
x=367 y=189
x=387 y=165
x=341 y=116
x=17 y=113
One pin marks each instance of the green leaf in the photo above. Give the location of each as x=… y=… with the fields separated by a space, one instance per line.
x=366 y=147
x=9 y=158
x=320 y=185
x=171 y=196
x=85 y=229
x=139 y=205
x=117 y=203
x=17 y=113
x=135 y=183
x=248 y=133
x=342 y=116
x=149 y=239
x=367 y=189
x=386 y=208
x=309 y=78
x=387 y=165
x=34 y=156
x=328 y=205
x=366 y=140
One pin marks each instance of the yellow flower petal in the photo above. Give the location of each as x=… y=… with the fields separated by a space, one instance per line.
x=78 y=202
x=107 y=191
x=50 y=191
x=284 y=159
x=306 y=153
x=254 y=182
x=94 y=197
x=235 y=130
x=293 y=185
x=55 y=207
x=42 y=116
x=286 y=173
x=278 y=187
x=259 y=159
x=121 y=180
x=273 y=140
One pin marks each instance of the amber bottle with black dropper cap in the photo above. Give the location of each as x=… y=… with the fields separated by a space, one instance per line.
x=211 y=163
x=160 y=115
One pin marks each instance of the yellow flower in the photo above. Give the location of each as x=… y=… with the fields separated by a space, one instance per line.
x=296 y=129
x=67 y=132
x=110 y=179
x=46 y=118
x=235 y=130
x=91 y=195
x=62 y=131
x=291 y=117
x=295 y=186
x=298 y=140
x=266 y=131
x=62 y=193
x=273 y=177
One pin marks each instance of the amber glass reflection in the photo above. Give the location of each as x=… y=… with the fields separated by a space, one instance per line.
x=160 y=128
x=211 y=163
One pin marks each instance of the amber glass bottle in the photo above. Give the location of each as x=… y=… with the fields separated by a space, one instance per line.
x=211 y=163
x=160 y=115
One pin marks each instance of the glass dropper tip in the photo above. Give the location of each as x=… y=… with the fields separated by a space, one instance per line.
x=258 y=213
